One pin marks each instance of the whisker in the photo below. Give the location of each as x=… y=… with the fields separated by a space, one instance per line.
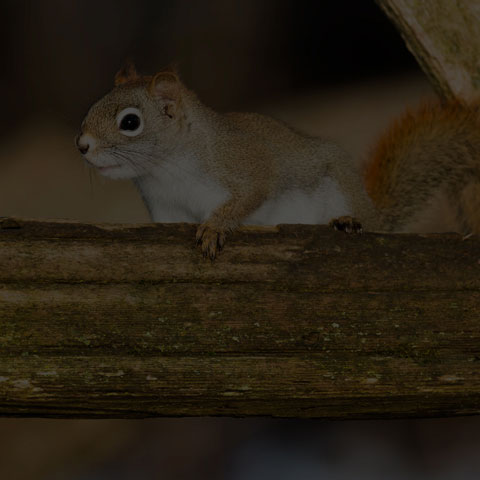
x=142 y=159
x=166 y=165
x=90 y=176
x=139 y=169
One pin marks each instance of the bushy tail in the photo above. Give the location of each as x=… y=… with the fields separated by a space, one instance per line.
x=436 y=148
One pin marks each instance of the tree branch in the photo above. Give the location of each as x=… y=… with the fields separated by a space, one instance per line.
x=290 y=321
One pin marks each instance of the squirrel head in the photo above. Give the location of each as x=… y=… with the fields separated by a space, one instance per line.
x=138 y=121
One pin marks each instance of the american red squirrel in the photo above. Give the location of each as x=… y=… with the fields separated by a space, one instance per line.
x=192 y=164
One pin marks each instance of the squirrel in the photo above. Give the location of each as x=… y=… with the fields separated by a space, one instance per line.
x=192 y=164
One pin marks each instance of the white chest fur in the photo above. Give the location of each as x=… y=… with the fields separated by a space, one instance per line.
x=179 y=192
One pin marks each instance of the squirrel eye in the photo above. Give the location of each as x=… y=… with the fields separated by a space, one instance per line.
x=130 y=122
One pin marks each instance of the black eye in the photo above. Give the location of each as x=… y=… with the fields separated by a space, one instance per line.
x=130 y=122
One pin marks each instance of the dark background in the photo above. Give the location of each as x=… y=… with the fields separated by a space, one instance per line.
x=335 y=68
x=60 y=54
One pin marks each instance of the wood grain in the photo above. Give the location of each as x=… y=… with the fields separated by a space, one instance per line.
x=444 y=37
x=289 y=321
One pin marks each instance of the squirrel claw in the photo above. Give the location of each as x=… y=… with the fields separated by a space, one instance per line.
x=346 y=224
x=199 y=234
x=211 y=241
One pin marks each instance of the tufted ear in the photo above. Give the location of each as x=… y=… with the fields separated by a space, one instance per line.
x=126 y=74
x=165 y=86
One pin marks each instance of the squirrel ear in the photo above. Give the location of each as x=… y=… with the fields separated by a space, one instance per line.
x=165 y=85
x=126 y=74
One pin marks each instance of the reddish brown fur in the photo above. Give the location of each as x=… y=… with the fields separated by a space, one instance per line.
x=429 y=120
x=127 y=74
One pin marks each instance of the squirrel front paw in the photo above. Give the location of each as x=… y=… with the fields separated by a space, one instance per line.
x=346 y=224
x=211 y=240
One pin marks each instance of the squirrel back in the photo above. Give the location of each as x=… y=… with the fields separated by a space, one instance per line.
x=435 y=148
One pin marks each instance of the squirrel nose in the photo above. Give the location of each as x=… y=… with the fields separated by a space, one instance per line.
x=83 y=148
x=83 y=143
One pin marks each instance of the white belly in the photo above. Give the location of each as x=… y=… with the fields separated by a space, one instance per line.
x=176 y=198
x=295 y=206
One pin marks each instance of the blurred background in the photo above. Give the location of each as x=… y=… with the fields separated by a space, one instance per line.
x=333 y=68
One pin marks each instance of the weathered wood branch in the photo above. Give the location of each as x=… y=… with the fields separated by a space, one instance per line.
x=294 y=321
x=444 y=37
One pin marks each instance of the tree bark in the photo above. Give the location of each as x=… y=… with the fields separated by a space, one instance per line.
x=444 y=37
x=289 y=321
